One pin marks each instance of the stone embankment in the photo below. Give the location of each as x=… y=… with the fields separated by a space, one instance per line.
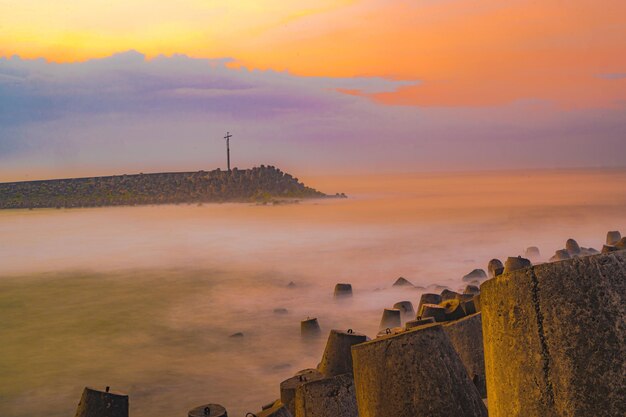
x=262 y=184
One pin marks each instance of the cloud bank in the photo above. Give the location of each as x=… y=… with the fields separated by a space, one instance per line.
x=128 y=114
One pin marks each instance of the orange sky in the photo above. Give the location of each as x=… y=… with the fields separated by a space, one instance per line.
x=465 y=53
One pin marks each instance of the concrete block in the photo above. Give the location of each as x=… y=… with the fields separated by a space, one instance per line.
x=96 y=403
x=337 y=357
x=613 y=237
x=466 y=336
x=277 y=409
x=406 y=310
x=555 y=340
x=289 y=387
x=208 y=410
x=391 y=318
x=428 y=298
x=515 y=263
x=418 y=322
x=437 y=312
x=343 y=291
x=310 y=328
x=328 y=397
x=415 y=373
x=495 y=268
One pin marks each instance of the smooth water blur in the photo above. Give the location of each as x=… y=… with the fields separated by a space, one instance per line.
x=143 y=299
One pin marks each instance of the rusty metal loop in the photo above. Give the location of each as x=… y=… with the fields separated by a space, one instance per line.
x=350 y=331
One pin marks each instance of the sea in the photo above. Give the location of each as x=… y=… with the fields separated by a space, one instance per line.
x=144 y=299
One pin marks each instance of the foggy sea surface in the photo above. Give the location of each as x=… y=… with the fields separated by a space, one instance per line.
x=143 y=299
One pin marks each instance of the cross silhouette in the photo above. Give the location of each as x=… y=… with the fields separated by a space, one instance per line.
x=227 y=137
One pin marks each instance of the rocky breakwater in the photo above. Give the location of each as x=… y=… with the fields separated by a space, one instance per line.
x=554 y=338
x=262 y=184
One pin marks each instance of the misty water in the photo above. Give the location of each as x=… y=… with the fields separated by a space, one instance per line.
x=143 y=299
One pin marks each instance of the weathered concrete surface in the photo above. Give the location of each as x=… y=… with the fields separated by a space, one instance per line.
x=612 y=237
x=469 y=307
x=495 y=268
x=555 y=339
x=96 y=403
x=453 y=309
x=466 y=336
x=390 y=330
x=289 y=386
x=476 y=301
x=475 y=275
x=471 y=289
x=418 y=322
x=428 y=298
x=328 y=397
x=337 y=358
x=277 y=409
x=448 y=295
x=343 y=290
x=514 y=263
x=208 y=410
x=532 y=253
x=415 y=373
x=391 y=318
x=401 y=282
x=572 y=247
x=560 y=255
x=437 y=312
x=310 y=328
x=406 y=310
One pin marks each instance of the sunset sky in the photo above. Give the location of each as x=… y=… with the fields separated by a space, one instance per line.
x=96 y=87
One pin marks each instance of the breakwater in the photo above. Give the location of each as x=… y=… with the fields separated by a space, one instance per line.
x=261 y=184
x=552 y=346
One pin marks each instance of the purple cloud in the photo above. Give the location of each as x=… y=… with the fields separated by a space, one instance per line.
x=128 y=114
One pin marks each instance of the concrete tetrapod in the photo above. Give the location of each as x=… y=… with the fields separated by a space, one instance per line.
x=289 y=386
x=415 y=373
x=328 y=397
x=277 y=409
x=612 y=237
x=495 y=267
x=428 y=298
x=418 y=322
x=554 y=339
x=343 y=290
x=337 y=358
x=391 y=318
x=96 y=403
x=466 y=336
x=406 y=310
x=310 y=328
x=208 y=410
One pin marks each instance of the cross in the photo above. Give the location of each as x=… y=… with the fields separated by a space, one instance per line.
x=227 y=137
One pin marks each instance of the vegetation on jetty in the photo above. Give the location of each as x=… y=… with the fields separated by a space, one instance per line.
x=264 y=183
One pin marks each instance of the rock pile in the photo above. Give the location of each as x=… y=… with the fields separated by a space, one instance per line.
x=257 y=184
